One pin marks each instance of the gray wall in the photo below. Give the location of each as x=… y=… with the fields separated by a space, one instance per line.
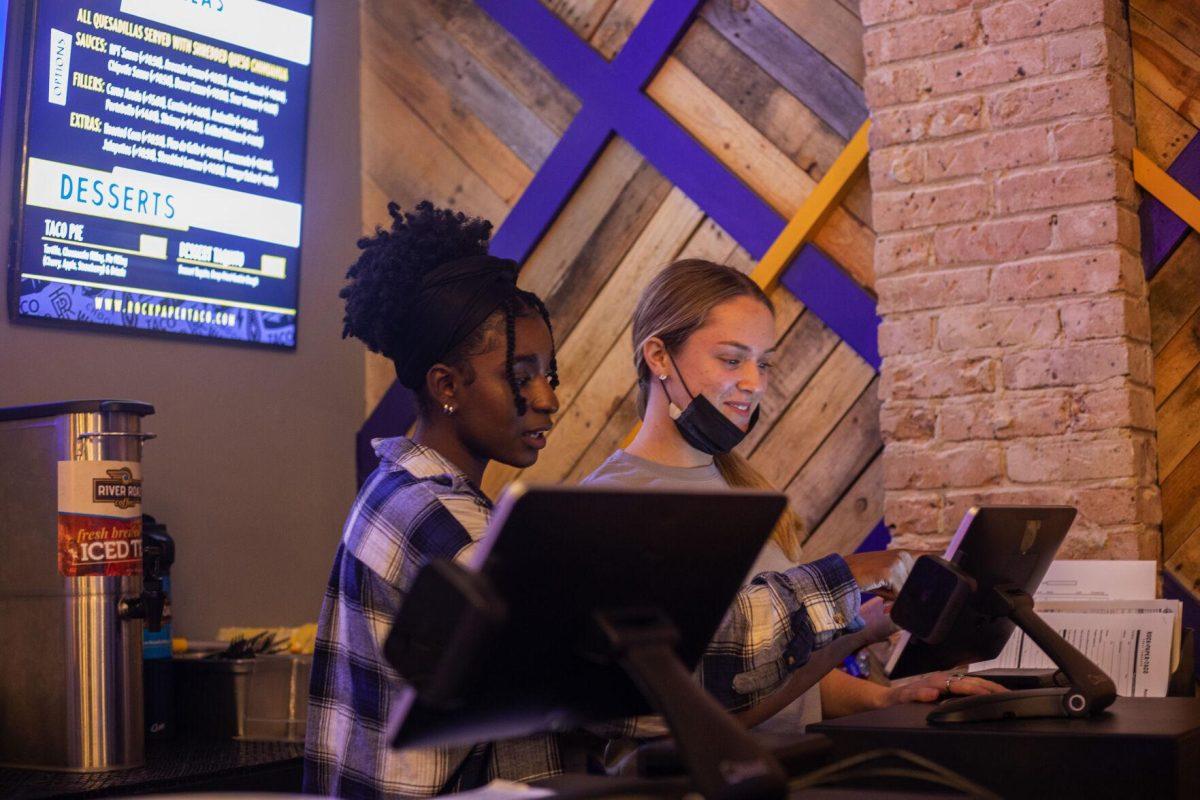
x=253 y=470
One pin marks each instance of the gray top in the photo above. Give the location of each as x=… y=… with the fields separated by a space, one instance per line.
x=627 y=470
x=623 y=469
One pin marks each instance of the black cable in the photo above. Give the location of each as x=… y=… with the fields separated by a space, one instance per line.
x=852 y=768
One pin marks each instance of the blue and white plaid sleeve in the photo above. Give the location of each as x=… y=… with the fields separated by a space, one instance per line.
x=412 y=510
x=773 y=627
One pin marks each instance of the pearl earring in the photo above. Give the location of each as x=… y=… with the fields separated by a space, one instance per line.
x=448 y=408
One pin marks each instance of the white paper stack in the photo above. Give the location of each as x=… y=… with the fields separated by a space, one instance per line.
x=1108 y=611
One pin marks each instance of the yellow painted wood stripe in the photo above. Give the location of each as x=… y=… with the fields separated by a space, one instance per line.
x=1162 y=186
x=816 y=208
x=825 y=197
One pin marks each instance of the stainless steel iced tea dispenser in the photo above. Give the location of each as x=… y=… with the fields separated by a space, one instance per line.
x=71 y=599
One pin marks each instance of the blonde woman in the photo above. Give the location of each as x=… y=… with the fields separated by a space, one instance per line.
x=703 y=337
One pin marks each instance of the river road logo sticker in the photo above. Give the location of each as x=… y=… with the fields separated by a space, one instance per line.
x=120 y=488
x=99 y=518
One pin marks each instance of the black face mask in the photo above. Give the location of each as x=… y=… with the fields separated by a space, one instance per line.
x=703 y=426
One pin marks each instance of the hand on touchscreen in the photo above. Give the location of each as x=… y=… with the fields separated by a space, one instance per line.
x=876 y=614
x=931 y=687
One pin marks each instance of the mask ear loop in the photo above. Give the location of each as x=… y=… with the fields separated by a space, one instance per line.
x=681 y=380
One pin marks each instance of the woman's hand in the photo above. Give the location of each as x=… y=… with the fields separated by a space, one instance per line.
x=930 y=688
x=877 y=616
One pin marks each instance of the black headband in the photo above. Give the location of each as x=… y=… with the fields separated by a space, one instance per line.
x=453 y=300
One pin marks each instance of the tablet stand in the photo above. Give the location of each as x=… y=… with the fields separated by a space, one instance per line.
x=723 y=760
x=1088 y=690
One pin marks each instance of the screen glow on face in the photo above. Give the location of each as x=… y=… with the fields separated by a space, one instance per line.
x=163 y=171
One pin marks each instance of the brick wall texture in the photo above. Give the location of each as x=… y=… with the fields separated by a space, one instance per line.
x=1015 y=333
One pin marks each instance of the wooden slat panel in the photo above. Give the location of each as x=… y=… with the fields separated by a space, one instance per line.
x=618 y=24
x=839 y=460
x=858 y=200
x=832 y=29
x=470 y=139
x=492 y=47
x=852 y=519
x=1165 y=67
x=763 y=168
x=750 y=155
x=1178 y=432
x=604 y=250
x=411 y=25
x=1177 y=359
x=1161 y=132
x=374 y=206
x=615 y=429
x=1181 y=509
x=786 y=122
x=670 y=228
x=1175 y=292
x=583 y=16
x=1180 y=18
x=1184 y=563
x=806 y=423
x=852 y=7
x=759 y=99
x=802 y=70
x=546 y=267
x=1166 y=37
x=417 y=165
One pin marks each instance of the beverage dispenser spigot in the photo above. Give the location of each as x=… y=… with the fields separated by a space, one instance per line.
x=158 y=554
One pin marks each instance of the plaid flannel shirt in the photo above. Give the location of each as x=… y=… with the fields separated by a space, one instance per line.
x=773 y=627
x=416 y=507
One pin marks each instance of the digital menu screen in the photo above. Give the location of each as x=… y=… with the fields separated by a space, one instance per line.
x=163 y=166
x=3 y=39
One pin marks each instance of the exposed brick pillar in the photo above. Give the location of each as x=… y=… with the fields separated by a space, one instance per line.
x=1016 y=334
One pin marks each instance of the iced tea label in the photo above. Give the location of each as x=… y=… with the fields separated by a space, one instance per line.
x=99 y=518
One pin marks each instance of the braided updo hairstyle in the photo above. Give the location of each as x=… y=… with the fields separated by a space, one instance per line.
x=384 y=286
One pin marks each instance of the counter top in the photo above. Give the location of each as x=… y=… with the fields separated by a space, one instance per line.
x=184 y=765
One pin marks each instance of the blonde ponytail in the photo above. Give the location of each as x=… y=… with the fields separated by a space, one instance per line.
x=738 y=473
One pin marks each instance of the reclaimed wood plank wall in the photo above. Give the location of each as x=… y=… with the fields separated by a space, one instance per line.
x=1166 y=68
x=454 y=110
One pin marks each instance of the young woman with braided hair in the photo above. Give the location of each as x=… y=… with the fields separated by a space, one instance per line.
x=478 y=354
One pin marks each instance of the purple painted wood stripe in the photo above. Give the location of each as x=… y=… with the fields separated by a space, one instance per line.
x=833 y=296
x=652 y=41
x=1162 y=230
x=551 y=186
x=878 y=539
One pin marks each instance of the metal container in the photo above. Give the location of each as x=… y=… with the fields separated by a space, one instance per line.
x=70 y=595
x=264 y=698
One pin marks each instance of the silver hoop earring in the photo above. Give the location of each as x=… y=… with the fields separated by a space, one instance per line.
x=448 y=409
